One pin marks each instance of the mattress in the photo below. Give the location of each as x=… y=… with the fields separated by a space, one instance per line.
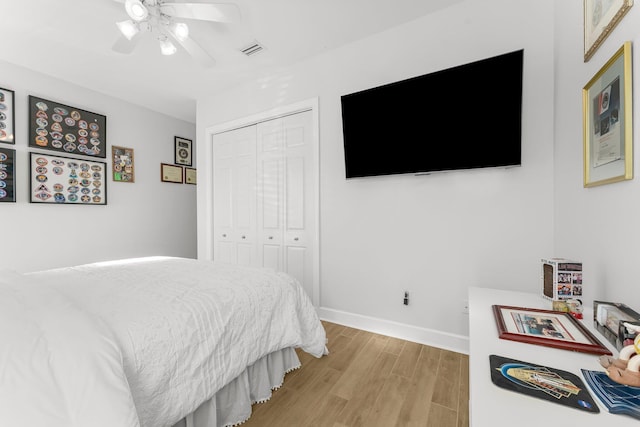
x=155 y=337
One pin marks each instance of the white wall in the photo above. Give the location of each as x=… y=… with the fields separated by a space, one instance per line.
x=144 y=218
x=598 y=226
x=431 y=235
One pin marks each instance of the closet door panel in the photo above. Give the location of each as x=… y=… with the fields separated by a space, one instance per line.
x=270 y=198
x=245 y=254
x=271 y=256
x=226 y=252
x=234 y=206
x=295 y=192
x=244 y=194
x=223 y=246
x=300 y=191
x=296 y=266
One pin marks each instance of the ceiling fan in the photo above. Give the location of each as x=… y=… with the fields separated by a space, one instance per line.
x=163 y=18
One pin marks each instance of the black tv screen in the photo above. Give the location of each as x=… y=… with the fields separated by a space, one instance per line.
x=465 y=117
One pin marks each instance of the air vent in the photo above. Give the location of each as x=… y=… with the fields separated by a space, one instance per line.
x=252 y=49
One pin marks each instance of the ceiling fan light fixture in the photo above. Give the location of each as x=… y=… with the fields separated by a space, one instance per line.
x=128 y=28
x=136 y=10
x=166 y=47
x=181 y=30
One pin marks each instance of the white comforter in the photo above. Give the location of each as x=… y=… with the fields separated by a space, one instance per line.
x=81 y=346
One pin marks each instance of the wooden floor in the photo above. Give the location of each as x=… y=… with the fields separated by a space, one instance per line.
x=371 y=380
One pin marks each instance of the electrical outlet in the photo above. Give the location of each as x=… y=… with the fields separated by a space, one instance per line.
x=405 y=301
x=465 y=306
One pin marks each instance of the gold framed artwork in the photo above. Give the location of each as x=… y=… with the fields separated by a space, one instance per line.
x=607 y=122
x=600 y=18
x=190 y=176
x=122 y=164
x=170 y=173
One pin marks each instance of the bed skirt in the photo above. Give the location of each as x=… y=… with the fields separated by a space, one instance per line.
x=231 y=405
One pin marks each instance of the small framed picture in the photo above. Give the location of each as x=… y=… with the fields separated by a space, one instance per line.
x=7 y=175
x=190 y=176
x=170 y=173
x=122 y=166
x=7 y=116
x=547 y=328
x=600 y=18
x=183 y=151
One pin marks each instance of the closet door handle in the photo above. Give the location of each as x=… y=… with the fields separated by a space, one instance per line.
x=295 y=239
x=270 y=237
x=224 y=235
x=244 y=237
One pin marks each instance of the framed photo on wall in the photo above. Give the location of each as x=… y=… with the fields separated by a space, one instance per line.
x=64 y=180
x=190 y=176
x=608 y=122
x=7 y=116
x=170 y=173
x=600 y=18
x=7 y=175
x=547 y=328
x=122 y=167
x=58 y=127
x=183 y=151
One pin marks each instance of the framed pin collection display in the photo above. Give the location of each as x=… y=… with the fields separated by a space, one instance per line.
x=122 y=166
x=65 y=180
x=7 y=116
x=58 y=127
x=7 y=175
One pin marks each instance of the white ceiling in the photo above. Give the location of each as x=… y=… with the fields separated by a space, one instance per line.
x=72 y=40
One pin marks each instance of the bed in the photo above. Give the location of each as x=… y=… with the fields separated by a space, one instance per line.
x=148 y=342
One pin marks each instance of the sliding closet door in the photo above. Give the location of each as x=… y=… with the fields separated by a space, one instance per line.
x=285 y=205
x=234 y=206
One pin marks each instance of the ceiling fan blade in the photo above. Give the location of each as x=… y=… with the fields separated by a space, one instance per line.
x=124 y=45
x=194 y=49
x=217 y=12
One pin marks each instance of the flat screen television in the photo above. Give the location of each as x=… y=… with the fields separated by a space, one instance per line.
x=465 y=117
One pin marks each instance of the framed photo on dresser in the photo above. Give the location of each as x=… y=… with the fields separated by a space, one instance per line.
x=547 y=328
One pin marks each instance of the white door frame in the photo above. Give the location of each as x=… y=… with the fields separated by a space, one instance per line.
x=205 y=178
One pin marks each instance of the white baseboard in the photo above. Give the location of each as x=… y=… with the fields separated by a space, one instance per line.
x=444 y=340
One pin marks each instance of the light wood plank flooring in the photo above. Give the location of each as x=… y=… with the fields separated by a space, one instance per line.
x=371 y=380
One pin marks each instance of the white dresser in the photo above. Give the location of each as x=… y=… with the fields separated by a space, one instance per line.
x=491 y=405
